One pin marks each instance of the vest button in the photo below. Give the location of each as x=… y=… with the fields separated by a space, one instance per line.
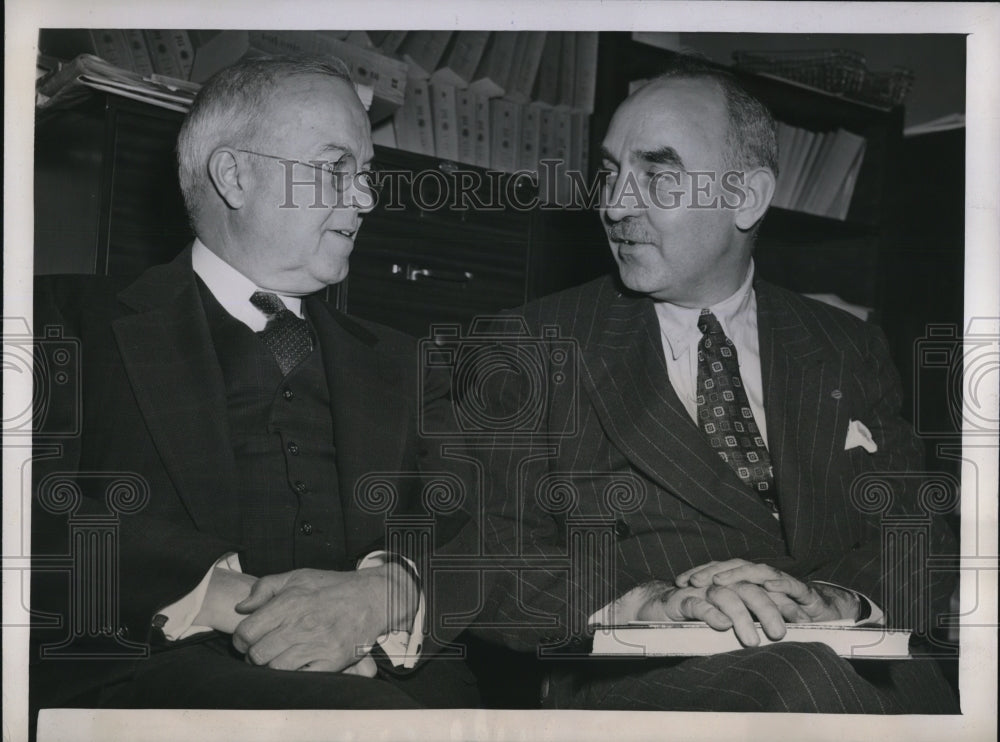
x=306 y=528
x=300 y=486
x=288 y=394
x=622 y=528
x=293 y=449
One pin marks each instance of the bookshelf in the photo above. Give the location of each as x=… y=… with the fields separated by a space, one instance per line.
x=805 y=252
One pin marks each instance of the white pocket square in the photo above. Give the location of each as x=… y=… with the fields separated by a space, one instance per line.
x=859 y=435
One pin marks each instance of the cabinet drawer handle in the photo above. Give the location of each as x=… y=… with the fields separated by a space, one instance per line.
x=414 y=273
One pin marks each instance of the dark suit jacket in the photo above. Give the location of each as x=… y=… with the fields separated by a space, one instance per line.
x=615 y=444
x=151 y=401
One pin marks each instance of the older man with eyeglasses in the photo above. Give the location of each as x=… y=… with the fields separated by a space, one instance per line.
x=251 y=410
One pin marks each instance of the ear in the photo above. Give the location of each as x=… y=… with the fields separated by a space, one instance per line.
x=229 y=180
x=758 y=190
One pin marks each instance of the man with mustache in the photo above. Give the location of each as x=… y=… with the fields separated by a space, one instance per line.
x=247 y=412
x=737 y=414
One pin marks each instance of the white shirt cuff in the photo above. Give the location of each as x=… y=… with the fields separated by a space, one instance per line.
x=401 y=647
x=181 y=614
x=875 y=615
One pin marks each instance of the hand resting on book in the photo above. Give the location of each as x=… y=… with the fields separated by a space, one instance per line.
x=735 y=593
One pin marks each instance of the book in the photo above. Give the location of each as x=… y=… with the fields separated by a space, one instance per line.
x=422 y=51
x=562 y=152
x=183 y=51
x=806 y=146
x=384 y=135
x=687 y=639
x=814 y=177
x=506 y=134
x=386 y=76
x=841 y=202
x=567 y=70
x=444 y=112
x=786 y=136
x=465 y=105
x=413 y=123
x=141 y=61
x=546 y=88
x=111 y=45
x=585 y=81
x=585 y=144
x=527 y=155
x=837 y=165
x=72 y=81
x=527 y=58
x=482 y=131
x=490 y=78
x=165 y=62
x=461 y=58
x=546 y=151
x=578 y=146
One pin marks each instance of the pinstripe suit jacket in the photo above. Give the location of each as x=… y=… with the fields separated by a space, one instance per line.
x=615 y=444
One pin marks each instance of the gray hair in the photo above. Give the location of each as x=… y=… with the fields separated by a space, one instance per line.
x=751 y=136
x=230 y=108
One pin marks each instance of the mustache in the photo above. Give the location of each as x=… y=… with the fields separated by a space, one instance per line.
x=628 y=231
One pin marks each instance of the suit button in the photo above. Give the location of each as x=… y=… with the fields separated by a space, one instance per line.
x=293 y=449
x=300 y=487
x=288 y=394
x=622 y=529
x=306 y=528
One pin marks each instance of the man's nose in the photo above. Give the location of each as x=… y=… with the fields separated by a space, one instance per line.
x=623 y=199
x=361 y=195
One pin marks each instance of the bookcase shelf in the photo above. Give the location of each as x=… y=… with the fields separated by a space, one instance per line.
x=119 y=210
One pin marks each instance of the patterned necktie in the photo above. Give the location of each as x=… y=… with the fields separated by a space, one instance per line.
x=724 y=412
x=286 y=336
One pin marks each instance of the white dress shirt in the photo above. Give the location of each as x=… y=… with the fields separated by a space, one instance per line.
x=680 y=336
x=233 y=291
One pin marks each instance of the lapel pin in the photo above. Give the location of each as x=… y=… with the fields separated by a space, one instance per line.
x=836 y=394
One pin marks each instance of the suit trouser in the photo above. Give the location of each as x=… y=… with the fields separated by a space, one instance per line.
x=793 y=677
x=212 y=675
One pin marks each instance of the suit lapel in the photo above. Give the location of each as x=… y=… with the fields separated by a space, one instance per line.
x=798 y=378
x=370 y=411
x=626 y=376
x=171 y=364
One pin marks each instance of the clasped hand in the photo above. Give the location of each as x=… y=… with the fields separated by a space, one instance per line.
x=731 y=594
x=311 y=619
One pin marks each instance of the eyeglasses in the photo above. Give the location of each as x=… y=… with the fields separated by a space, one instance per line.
x=341 y=174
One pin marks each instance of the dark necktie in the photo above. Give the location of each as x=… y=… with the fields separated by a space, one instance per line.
x=724 y=412
x=286 y=336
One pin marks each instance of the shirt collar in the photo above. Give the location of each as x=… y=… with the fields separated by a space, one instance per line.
x=232 y=289
x=679 y=325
